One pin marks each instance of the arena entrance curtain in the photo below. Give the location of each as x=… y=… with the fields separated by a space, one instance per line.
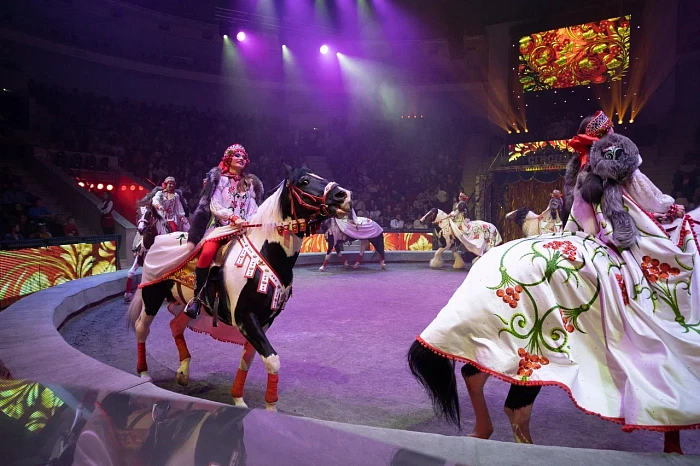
x=511 y=190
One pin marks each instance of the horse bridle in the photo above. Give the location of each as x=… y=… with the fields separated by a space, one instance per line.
x=321 y=208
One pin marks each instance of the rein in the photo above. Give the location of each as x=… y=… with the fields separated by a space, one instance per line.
x=297 y=194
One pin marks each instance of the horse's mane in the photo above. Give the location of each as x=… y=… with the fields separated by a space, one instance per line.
x=520 y=216
x=269 y=213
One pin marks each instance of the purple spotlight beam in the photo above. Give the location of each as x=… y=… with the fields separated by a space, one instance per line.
x=324 y=49
x=240 y=36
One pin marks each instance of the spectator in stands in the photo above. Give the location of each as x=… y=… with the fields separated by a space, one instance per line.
x=43 y=232
x=70 y=228
x=106 y=208
x=396 y=223
x=15 y=195
x=418 y=225
x=14 y=234
x=39 y=213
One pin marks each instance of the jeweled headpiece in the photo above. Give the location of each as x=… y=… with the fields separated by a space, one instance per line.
x=233 y=150
x=599 y=125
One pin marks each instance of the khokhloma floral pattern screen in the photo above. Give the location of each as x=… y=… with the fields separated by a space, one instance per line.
x=590 y=53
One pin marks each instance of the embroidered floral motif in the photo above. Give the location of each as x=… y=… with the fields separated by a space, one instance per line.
x=623 y=288
x=529 y=363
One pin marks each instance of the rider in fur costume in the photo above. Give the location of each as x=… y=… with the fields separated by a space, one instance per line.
x=229 y=198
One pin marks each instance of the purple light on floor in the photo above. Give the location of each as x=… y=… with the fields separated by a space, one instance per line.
x=324 y=49
x=240 y=36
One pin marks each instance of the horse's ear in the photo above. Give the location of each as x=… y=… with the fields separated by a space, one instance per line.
x=303 y=165
x=287 y=169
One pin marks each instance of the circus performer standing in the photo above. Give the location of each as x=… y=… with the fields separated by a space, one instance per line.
x=586 y=310
x=170 y=205
x=334 y=239
x=230 y=197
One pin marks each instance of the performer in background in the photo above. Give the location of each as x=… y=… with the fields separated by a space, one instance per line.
x=171 y=206
x=229 y=199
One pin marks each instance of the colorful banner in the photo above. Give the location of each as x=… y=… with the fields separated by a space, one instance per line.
x=28 y=270
x=393 y=241
x=590 y=53
x=29 y=403
x=540 y=152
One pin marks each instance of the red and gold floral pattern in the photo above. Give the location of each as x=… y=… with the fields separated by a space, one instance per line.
x=25 y=271
x=392 y=242
x=590 y=53
x=524 y=149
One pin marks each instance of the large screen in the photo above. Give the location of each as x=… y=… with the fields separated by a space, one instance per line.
x=590 y=53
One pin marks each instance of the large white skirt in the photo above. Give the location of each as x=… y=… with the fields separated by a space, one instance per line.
x=619 y=332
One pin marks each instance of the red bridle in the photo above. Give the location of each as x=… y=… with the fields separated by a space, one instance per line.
x=320 y=208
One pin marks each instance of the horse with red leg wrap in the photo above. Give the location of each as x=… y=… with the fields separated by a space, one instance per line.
x=256 y=273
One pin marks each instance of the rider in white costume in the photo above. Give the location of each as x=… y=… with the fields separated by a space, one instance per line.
x=169 y=206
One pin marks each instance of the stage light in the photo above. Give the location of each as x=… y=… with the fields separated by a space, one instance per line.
x=337 y=54
x=133 y=187
x=81 y=184
x=123 y=187
x=140 y=188
x=409 y=116
x=619 y=122
x=509 y=132
x=517 y=131
x=92 y=186
x=100 y=186
x=110 y=187
x=631 y=120
x=225 y=36
x=240 y=36
x=324 y=49
x=402 y=117
x=526 y=130
x=284 y=46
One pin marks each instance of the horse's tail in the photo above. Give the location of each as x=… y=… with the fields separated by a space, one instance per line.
x=437 y=375
x=134 y=311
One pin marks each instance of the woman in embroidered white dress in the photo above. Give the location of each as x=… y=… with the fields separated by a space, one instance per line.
x=609 y=310
x=228 y=200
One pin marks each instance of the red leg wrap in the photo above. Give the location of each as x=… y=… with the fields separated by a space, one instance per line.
x=238 y=384
x=271 y=392
x=182 y=347
x=129 y=281
x=141 y=365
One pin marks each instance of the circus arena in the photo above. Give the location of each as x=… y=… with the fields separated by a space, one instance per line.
x=349 y=232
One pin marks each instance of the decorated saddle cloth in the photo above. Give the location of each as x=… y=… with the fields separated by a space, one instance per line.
x=359 y=227
x=620 y=332
x=477 y=236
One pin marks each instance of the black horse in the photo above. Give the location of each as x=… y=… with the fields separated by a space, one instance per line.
x=256 y=274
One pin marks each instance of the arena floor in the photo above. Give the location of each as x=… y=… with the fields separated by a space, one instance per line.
x=342 y=341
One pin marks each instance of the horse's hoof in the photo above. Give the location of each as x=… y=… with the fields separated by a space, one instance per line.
x=383 y=266
x=128 y=297
x=182 y=379
x=239 y=403
x=321 y=269
x=355 y=266
x=144 y=375
x=346 y=265
x=271 y=406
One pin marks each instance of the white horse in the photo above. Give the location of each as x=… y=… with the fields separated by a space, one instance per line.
x=477 y=236
x=532 y=224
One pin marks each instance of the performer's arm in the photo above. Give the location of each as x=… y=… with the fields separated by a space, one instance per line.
x=157 y=202
x=179 y=209
x=648 y=196
x=222 y=213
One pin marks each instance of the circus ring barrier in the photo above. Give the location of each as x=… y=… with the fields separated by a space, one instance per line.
x=399 y=246
x=31 y=348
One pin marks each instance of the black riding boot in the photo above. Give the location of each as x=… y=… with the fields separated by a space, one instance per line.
x=200 y=278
